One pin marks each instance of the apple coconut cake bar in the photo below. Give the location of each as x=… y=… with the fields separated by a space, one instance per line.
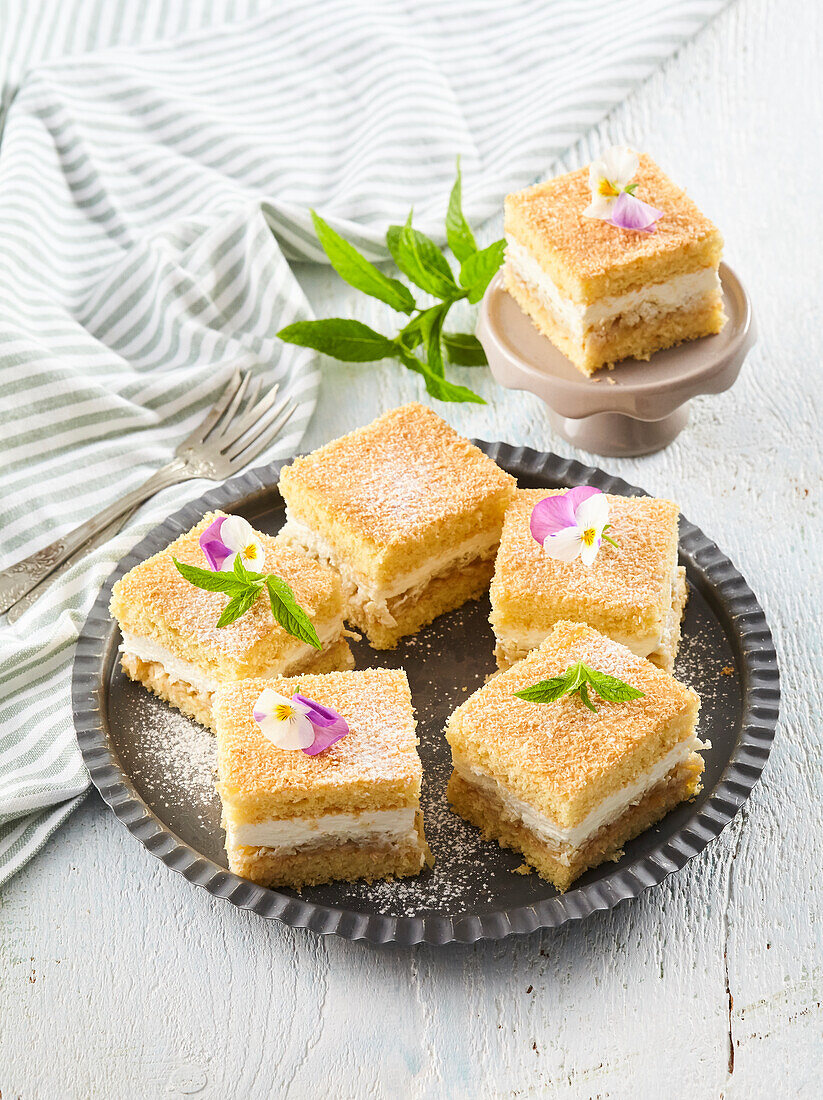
x=407 y=511
x=635 y=592
x=320 y=778
x=613 y=261
x=568 y=782
x=173 y=646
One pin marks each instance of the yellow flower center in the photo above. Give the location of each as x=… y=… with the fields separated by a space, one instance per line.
x=250 y=553
x=607 y=189
x=588 y=536
x=282 y=712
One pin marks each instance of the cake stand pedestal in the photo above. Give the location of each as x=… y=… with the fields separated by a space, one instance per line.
x=637 y=407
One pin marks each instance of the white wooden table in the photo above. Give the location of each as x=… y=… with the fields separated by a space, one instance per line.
x=119 y=979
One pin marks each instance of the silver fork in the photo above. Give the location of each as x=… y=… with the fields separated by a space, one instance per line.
x=235 y=431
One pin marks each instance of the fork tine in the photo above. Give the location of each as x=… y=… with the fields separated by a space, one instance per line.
x=229 y=414
x=245 y=453
x=252 y=414
x=262 y=424
x=214 y=413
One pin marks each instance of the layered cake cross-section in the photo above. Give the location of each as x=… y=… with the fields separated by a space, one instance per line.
x=601 y=291
x=297 y=813
x=566 y=785
x=174 y=647
x=407 y=511
x=635 y=592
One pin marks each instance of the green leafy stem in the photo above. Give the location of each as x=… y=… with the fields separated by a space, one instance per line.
x=576 y=680
x=425 y=266
x=243 y=587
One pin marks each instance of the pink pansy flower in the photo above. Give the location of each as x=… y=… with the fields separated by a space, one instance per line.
x=571 y=524
x=613 y=198
x=227 y=537
x=298 y=722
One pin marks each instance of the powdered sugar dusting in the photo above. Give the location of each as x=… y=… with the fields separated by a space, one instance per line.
x=171 y=760
x=175 y=762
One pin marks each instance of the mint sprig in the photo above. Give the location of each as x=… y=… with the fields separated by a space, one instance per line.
x=576 y=680
x=421 y=345
x=243 y=587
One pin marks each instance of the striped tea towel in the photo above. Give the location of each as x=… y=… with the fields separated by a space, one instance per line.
x=151 y=194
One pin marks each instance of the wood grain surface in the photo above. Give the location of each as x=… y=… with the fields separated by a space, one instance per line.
x=119 y=979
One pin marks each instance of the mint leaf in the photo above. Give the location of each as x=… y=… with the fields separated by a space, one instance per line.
x=436 y=385
x=411 y=336
x=358 y=272
x=288 y=612
x=611 y=689
x=577 y=677
x=239 y=605
x=476 y=272
x=417 y=330
x=419 y=258
x=434 y=353
x=464 y=350
x=546 y=691
x=341 y=338
x=431 y=327
x=576 y=680
x=459 y=235
x=583 y=692
x=210 y=581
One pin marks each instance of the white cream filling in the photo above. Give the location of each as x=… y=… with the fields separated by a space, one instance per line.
x=373 y=598
x=610 y=809
x=527 y=640
x=147 y=649
x=642 y=304
x=524 y=641
x=379 y=827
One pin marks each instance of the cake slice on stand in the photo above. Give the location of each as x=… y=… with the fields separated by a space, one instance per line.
x=613 y=261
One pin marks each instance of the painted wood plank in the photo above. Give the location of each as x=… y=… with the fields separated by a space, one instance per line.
x=118 y=979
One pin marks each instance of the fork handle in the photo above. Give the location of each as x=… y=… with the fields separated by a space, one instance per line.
x=20 y=578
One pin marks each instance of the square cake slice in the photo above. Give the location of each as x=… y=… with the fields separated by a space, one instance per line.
x=602 y=293
x=634 y=592
x=566 y=786
x=407 y=511
x=173 y=646
x=352 y=811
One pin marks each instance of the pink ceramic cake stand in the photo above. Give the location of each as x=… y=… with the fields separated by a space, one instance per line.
x=637 y=407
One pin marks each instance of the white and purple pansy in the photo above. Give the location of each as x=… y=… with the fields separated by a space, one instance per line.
x=572 y=523
x=227 y=537
x=613 y=197
x=298 y=722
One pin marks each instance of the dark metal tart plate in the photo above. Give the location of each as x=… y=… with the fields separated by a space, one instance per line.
x=153 y=767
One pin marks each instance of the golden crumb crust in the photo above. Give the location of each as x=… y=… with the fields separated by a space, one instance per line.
x=638 y=338
x=339 y=862
x=154 y=601
x=197 y=704
x=588 y=258
x=375 y=766
x=626 y=592
x=397 y=491
x=561 y=865
x=410 y=613
x=561 y=757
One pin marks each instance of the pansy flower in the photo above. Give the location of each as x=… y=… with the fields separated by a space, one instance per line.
x=227 y=537
x=298 y=722
x=613 y=197
x=572 y=523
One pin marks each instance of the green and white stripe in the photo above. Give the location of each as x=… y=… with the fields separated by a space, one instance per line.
x=157 y=166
